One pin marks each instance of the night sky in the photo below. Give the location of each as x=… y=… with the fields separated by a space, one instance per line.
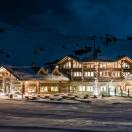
x=43 y=30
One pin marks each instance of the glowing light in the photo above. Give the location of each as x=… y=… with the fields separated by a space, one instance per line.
x=2 y=69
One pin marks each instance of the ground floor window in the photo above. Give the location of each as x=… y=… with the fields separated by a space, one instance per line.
x=89 y=88
x=72 y=88
x=103 y=88
x=43 y=89
x=85 y=88
x=32 y=89
x=54 y=89
x=81 y=88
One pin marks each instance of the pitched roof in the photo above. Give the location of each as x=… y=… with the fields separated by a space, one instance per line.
x=28 y=73
x=23 y=72
x=53 y=77
x=90 y=59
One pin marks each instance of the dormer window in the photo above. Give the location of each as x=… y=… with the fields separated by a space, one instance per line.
x=56 y=72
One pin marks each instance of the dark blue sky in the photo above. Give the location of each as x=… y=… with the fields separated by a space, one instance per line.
x=30 y=24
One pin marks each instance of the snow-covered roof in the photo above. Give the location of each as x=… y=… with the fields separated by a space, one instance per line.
x=61 y=77
x=23 y=72
x=28 y=73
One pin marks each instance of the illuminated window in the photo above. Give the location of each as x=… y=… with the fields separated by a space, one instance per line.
x=125 y=65
x=117 y=65
x=43 y=89
x=81 y=88
x=89 y=66
x=103 y=65
x=89 y=88
x=101 y=74
x=104 y=74
x=126 y=73
x=103 y=88
x=72 y=88
x=76 y=64
x=31 y=89
x=67 y=65
x=77 y=74
x=89 y=74
x=92 y=74
x=116 y=74
x=54 y=89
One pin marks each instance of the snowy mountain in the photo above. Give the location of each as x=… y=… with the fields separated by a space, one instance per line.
x=25 y=48
x=45 y=30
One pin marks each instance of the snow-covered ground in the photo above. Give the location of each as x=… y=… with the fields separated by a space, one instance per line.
x=108 y=114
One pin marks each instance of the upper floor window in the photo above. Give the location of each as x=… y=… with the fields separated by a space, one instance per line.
x=77 y=74
x=117 y=65
x=126 y=65
x=89 y=66
x=67 y=65
x=76 y=64
x=116 y=74
x=104 y=74
x=89 y=74
x=101 y=74
x=103 y=65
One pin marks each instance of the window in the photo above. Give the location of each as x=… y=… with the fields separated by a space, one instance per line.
x=54 y=89
x=89 y=88
x=103 y=88
x=92 y=74
x=126 y=73
x=77 y=74
x=116 y=74
x=73 y=88
x=89 y=74
x=125 y=65
x=43 y=89
x=117 y=65
x=89 y=66
x=76 y=64
x=67 y=65
x=103 y=65
x=32 y=89
x=104 y=74
x=101 y=74
x=81 y=89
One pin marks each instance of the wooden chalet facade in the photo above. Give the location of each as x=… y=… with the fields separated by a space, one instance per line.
x=81 y=77
x=98 y=76
x=26 y=82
